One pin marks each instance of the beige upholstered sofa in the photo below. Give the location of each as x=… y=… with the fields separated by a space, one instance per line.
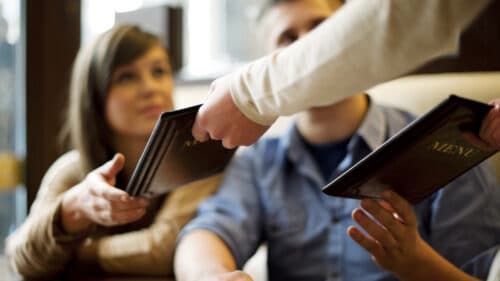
x=416 y=94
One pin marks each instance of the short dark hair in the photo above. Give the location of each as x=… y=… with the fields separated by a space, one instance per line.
x=268 y=4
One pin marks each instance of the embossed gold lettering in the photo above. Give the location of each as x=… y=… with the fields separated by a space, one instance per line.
x=452 y=149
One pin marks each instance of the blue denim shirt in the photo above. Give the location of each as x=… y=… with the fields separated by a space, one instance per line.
x=272 y=193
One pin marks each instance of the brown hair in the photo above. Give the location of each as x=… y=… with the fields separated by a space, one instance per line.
x=86 y=127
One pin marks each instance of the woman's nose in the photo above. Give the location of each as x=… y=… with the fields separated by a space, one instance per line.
x=148 y=85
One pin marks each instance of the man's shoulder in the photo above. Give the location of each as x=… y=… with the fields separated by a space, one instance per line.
x=396 y=118
x=396 y=112
x=264 y=145
x=265 y=153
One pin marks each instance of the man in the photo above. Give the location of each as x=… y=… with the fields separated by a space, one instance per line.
x=272 y=191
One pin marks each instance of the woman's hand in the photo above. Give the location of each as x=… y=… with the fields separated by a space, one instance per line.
x=95 y=200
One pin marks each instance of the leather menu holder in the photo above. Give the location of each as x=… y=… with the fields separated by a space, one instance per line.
x=172 y=157
x=423 y=157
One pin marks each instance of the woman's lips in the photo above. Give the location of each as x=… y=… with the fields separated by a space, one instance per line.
x=152 y=110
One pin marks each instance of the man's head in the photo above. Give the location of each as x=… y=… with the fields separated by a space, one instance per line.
x=284 y=21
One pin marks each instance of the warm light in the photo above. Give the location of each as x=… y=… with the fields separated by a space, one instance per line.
x=200 y=28
x=10 y=12
x=101 y=16
x=121 y=6
x=10 y=171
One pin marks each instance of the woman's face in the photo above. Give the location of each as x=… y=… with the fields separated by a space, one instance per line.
x=139 y=92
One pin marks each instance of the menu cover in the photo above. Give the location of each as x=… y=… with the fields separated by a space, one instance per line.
x=423 y=157
x=172 y=157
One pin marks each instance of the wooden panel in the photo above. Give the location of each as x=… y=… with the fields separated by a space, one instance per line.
x=52 y=40
x=174 y=36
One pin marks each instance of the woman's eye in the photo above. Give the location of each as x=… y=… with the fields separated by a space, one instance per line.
x=160 y=71
x=125 y=77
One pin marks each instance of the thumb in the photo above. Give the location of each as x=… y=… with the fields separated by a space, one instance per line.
x=110 y=169
x=198 y=132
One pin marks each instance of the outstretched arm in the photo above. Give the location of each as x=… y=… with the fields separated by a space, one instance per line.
x=63 y=214
x=395 y=244
x=375 y=40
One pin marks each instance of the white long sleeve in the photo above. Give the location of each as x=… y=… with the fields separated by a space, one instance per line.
x=494 y=274
x=364 y=43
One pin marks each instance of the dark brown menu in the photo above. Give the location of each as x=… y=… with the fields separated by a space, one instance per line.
x=172 y=157
x=423 y=157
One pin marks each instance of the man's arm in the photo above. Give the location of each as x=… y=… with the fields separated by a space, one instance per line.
x=202 y=255
x=226 y=230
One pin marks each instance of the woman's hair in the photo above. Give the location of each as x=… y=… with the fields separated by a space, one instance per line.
x=86 y=127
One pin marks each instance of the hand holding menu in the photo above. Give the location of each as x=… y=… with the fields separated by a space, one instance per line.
x=425 y=156
x=172 y=157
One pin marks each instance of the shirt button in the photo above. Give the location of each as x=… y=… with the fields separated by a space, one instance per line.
x=335 y=220
x=334 y=275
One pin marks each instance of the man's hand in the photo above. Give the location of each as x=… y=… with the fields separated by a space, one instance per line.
x=220 y=119
x=391 y=233
x=393 y=240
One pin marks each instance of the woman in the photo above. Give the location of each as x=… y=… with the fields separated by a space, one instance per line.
x=120 y=85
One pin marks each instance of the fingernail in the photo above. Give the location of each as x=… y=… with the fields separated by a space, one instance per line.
x=386 y=194
x=124 y=198
x=357 y=215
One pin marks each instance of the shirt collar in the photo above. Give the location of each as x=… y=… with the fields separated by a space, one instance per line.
x=373 y=130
